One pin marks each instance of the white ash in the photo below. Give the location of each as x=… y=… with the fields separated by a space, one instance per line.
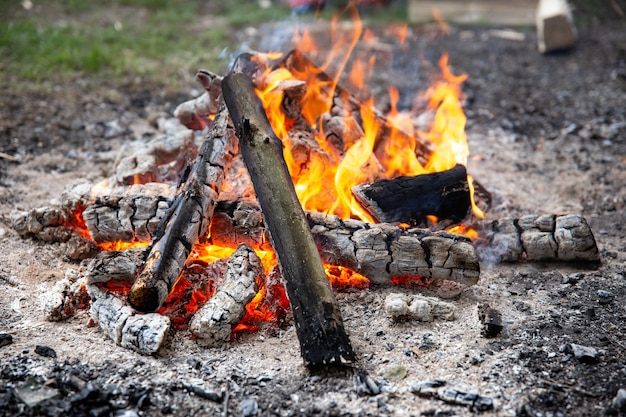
x=143 y=333
x=61 y=301
x=213 y=322
x=417 y=307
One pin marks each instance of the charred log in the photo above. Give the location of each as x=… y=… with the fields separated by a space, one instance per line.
x=144 y=333
x=188 y=219
x=214 y=321
x=377 y=251
x=410 y=199
x=319 y=324
x=194 y=114
x=537 y=238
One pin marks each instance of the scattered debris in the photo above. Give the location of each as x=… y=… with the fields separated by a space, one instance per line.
x=491 y=320
x=417 y=307
x=45 y=351
x=365 y=385
x=5 y=339
x=440 y=390
x=619 y=402
x=584 y=354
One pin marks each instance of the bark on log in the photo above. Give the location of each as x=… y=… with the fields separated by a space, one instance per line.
x=213 y=322
x=377 y=251
x=319 y=324
x=194 y=114
x=410 y=199
x=143 y=333
x=188 y=220
x=537 y=238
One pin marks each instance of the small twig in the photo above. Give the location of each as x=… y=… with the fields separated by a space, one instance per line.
x=226 y=398
x=617 y=9
x=8 y=157
x=11 y=281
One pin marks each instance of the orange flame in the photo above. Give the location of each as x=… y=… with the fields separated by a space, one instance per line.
x=367 y=151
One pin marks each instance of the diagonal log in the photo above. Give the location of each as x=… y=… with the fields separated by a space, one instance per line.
x=319 y=324
x=188 y=218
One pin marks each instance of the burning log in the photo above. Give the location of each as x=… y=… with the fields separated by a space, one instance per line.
x=188 y=219
x=143 y=333
x=377 y=251
x=410 y=199
x=214 y=321
x=537 y=238
x=319 y=325
x=121 y=266
x=348 y=107
x=128 y=213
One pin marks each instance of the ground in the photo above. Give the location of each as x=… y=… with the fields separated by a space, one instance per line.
x=547 y=134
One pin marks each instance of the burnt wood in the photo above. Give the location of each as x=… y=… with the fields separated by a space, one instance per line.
x=410 y=199
x=348 y=107
x=188 y=218
x=317 y=317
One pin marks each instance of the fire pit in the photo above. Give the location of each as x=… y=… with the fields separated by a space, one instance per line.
x=391 y=354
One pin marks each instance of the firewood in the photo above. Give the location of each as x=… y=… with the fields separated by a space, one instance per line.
x=188 y=219
x=319 y=324
x=555 y=26
x=121 y=266
x=143 y=333
x=213 y=322
x=377 y=251
x=537 y=238
x=346 y=105
x=410 y=199
x=128 y=213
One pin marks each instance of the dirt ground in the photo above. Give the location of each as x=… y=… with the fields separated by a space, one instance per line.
x=547 y=134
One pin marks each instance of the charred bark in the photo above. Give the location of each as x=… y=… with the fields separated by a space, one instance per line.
x=319 y=324
x=410 y=199
x=377 y=251
x=188 y=219
x=213 y=322
x=347 y=106
x=537 y=238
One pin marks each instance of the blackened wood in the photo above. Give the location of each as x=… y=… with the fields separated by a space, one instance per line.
x=319 y=324
x=188 y=219
x=348 y=106
x=410 y=199
x=377 y=251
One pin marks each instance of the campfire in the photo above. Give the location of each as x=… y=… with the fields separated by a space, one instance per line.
x=299 y=183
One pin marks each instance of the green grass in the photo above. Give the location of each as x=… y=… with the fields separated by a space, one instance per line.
x=157 y=40
x=154 y=39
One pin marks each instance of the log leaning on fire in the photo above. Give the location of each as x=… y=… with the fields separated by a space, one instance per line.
x=188 y=219
x=317 y=317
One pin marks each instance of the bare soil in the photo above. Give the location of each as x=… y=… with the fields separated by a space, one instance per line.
x=547 y=135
